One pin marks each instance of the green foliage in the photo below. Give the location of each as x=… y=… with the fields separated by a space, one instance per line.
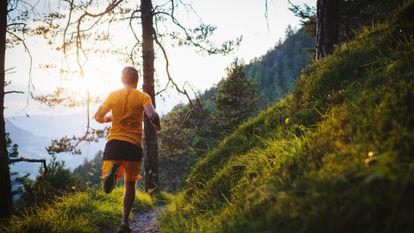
x=334 y=156
x=185 y=136
x=12 y=149
x=81 y=212
x=187 y=133
x=176 y=136
x=90 y=171
x=235 y=101
x=275 y=73
x=57 y=181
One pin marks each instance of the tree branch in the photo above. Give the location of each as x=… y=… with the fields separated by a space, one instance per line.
x=23 y=159
x=187 y=34
x=138 y=41
x=78 y=40
x=204 y=30
x=30 y=66
x=167 y=69
x=67 y=25
x=14 y=92
x=67 y=144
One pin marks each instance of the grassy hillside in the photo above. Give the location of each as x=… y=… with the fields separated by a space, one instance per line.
x=82 y=212
x=335 y=156
x=182 y=143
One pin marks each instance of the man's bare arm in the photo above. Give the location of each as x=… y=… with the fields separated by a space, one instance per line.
x=153 y=116
x=100 y=116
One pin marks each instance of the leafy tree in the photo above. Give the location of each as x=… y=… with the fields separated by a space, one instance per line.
x=186 y=135
x=176 y=137
x=175 y=147
x=185 y=131
x=90 y=171
x=235 y=100
x=57 y=181
x=12 y=148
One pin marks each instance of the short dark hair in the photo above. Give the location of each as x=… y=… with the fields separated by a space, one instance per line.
x=129 y=75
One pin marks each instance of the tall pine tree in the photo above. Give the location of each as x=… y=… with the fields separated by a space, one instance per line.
x=235 y=100
x=5 y=183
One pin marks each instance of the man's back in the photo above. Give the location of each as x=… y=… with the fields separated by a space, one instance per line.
x=127 y=105
x=123 y=152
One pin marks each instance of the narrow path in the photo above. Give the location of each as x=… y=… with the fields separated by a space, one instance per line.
x=146 y=222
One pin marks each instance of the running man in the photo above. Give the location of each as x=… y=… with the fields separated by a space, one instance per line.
x=123 y=152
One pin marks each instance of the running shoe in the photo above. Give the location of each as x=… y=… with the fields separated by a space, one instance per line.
x=124 y=228
x=109 y=181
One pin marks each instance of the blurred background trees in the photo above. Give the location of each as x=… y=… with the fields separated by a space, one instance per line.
x=235 y=101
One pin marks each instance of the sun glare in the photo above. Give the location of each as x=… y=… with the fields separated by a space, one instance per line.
x=100 y=76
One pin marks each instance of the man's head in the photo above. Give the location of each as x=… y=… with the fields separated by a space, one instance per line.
x=130 y=76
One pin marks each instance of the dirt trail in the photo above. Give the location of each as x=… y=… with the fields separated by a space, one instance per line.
x=145 y=222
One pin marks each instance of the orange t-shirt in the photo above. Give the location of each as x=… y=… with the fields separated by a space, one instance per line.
x=127 y=106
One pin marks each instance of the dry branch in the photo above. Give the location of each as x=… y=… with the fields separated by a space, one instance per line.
x=24 y=159
x=14 y=92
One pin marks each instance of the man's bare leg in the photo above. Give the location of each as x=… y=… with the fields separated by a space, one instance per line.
x=129 y=196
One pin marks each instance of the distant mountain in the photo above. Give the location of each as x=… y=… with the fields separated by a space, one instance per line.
x=34 y=134
x=17 y=133
x=52 y=126
x=275 y=73
x=27 y=141
x=30 y=145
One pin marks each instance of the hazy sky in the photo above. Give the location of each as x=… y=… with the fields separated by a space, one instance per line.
x=233 y=18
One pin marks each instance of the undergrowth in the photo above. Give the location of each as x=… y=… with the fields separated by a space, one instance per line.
x=334 y=156
x=82 y=212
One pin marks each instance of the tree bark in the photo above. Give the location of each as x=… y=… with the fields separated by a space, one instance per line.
x=327 y=21
x=5 y=183
x=150 y=141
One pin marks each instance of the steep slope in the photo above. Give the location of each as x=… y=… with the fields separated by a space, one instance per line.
x=334 y=156
x=273 y=75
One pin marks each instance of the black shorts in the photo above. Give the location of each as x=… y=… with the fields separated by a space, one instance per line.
x=122 y=150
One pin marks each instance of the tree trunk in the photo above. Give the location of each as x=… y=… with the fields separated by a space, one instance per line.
x=327 y=21
x=150 y=147
x=5 y=184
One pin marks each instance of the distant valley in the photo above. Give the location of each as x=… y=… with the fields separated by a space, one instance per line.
x=33 y=134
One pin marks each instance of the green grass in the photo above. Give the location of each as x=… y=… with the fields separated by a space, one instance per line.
x=83 y=212
x=335 y=156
